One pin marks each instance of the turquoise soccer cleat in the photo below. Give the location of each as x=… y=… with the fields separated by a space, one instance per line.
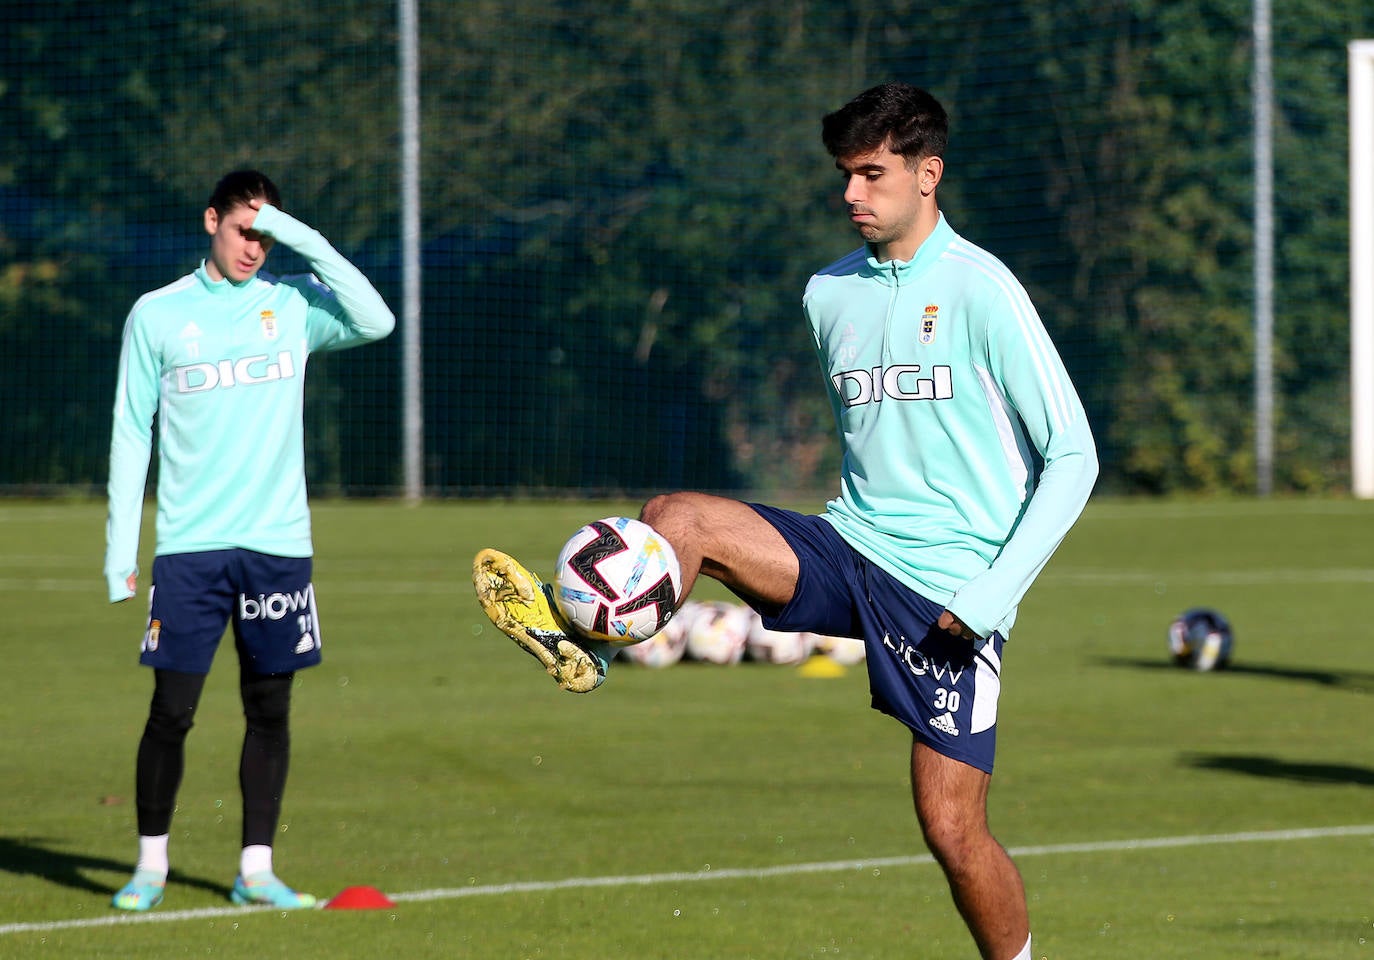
x=141 y=893
x=265 y=890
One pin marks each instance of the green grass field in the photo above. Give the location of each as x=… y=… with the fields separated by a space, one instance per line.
x=713 y=812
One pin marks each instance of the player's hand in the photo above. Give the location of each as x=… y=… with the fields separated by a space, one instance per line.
x=257 y=233
x=121 y=590
x=952 y=624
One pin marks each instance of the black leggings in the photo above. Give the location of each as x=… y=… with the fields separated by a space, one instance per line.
x=262 y=764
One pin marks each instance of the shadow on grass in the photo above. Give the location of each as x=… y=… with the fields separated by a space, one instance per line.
x=33 y=857
x=1275 y=769
x=1349 y=680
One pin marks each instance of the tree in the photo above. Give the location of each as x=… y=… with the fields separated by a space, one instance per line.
x=622 y=205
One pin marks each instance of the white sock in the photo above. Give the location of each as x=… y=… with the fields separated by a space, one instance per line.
x=256 y=858
x=152 y=854
x=1025 y=953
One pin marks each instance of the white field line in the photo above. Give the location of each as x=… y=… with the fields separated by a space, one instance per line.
x=1151 y=510
x=1078 y=577
x=657 y=879
x=1059 y=577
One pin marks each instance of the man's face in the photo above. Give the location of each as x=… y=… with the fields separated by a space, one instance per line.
x=884 y=196
x=237 y=251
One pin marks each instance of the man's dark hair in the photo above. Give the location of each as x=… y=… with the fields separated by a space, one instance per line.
x=240 y=186
x=907 y=119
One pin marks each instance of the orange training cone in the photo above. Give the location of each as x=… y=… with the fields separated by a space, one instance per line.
x=359 y=898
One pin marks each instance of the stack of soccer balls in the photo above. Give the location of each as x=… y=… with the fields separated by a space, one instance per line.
x=716 y=632
x=617 y=580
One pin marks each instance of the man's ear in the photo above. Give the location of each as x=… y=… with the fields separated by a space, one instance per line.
x=932 y=169
x=211 y=220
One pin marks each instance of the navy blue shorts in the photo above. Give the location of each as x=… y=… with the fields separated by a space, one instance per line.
x=939 y=685
x=268 y=600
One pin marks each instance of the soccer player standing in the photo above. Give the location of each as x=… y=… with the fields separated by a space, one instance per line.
x=219 y=357
x=966 y=459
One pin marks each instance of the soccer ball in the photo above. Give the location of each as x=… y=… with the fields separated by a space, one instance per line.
x=776 y=646
x=717 y=632
x=1201 y=639
x=847 y=651
x=663 y=649
x=617 y=580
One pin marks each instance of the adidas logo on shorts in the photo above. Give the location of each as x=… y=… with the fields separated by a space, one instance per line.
x=945 y=724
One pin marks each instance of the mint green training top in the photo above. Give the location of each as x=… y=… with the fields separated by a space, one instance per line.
x=947 y=391
x=222 y=365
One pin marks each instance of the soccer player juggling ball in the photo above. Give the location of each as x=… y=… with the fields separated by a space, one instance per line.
x=219 y=356
x=966 y=459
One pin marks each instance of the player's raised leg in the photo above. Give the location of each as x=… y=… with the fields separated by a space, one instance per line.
x=520 y=606
x=727 y=541
x=722 y=538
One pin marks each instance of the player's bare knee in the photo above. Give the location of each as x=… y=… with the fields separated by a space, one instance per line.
x=951 y=833
x=677 y=516
x=656 y=509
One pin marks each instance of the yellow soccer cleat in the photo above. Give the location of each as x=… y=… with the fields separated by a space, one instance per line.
x=520 y=606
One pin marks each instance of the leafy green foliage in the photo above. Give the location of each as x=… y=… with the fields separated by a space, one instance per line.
x=627 y=203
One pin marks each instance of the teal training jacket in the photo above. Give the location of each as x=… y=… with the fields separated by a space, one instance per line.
x=222 y=365
x=967 y=455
